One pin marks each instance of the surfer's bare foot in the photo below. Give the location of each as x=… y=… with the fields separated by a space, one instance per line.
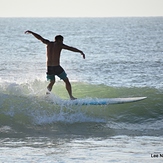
x=73 y=98
x=49 y=88
x=48 y=91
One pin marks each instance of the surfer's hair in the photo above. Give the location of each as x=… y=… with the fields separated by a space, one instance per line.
x=58 y=38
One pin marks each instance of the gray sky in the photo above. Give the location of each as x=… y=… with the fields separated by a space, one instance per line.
x=80 y=8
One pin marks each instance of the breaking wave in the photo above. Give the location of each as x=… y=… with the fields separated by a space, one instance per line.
x=28 y=106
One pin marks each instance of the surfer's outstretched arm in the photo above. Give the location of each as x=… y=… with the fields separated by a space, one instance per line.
x=73 y=49
x=37 y=36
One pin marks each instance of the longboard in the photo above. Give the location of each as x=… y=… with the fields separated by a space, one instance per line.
x=103 y=101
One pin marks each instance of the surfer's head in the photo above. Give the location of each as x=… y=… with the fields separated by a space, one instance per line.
x=59 y=38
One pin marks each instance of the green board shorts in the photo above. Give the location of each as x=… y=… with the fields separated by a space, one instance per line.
x=55 y=70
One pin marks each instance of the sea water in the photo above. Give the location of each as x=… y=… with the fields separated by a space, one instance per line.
x=124 y=58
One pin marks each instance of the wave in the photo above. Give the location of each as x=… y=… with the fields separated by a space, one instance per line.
x=25 y=109
x=27 y=103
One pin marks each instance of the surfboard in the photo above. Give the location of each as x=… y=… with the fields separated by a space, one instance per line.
x=103 y=101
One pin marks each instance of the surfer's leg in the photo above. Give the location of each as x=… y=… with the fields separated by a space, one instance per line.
x=50 y=86
x=52 y=81
x=69 y=89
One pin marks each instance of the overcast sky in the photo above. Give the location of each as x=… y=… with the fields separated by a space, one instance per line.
x=80 y=8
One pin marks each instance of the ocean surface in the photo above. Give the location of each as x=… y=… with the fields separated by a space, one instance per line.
x=124 y=58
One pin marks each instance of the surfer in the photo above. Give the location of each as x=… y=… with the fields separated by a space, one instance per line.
x=54 y=49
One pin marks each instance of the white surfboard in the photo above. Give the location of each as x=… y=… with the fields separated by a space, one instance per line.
x=103 y=101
